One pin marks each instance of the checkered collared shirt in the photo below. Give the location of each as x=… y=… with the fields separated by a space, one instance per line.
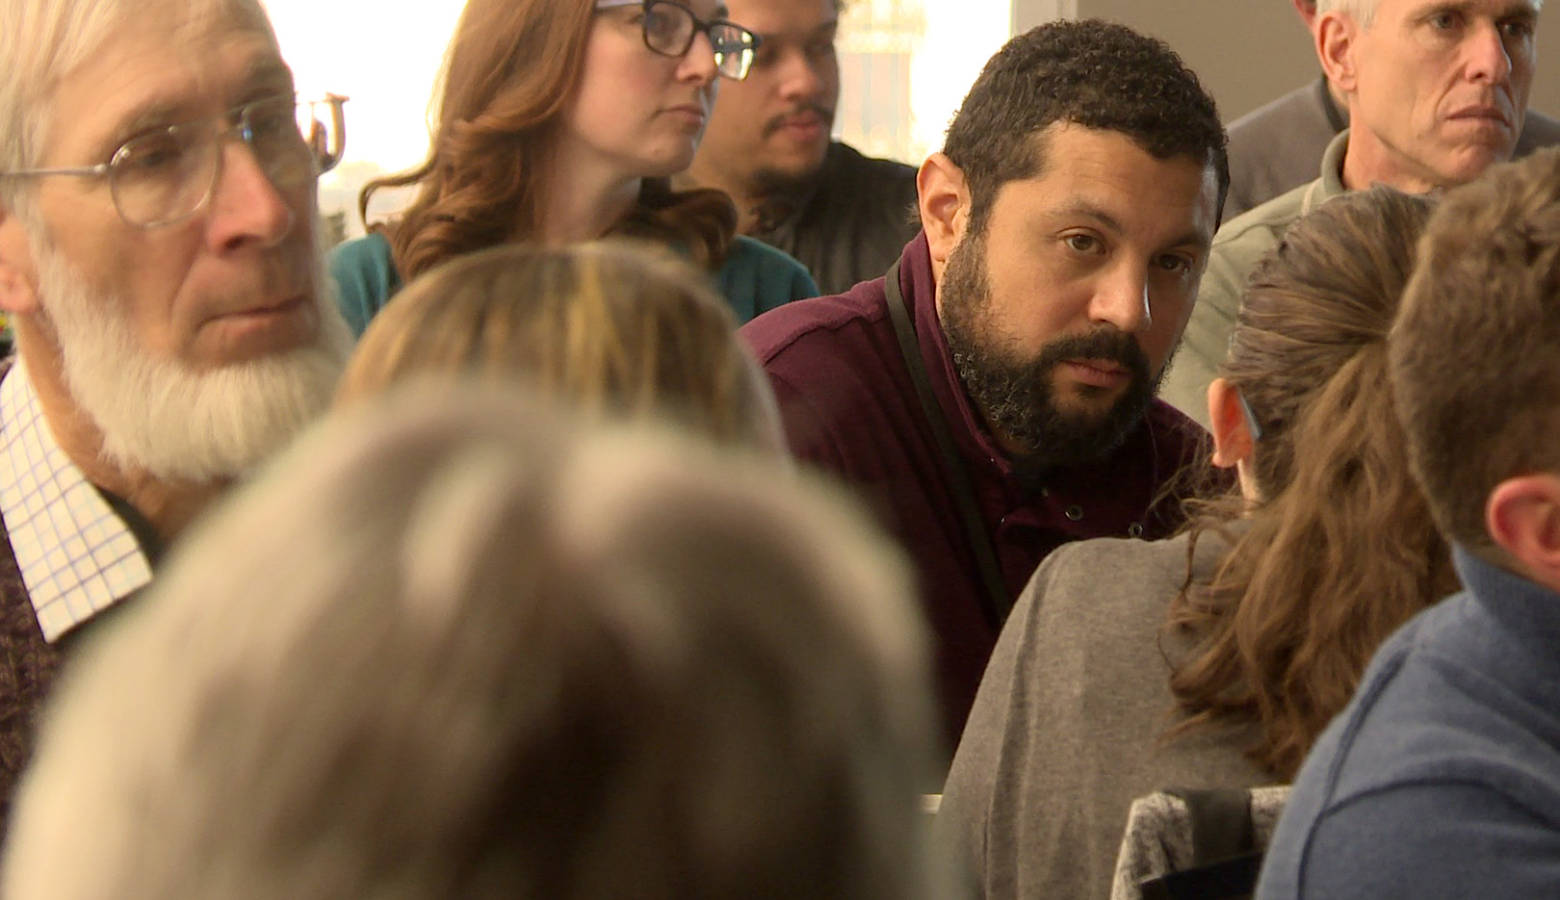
x=76 y=555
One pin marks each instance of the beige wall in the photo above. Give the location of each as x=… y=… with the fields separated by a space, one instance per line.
x=1249 y=51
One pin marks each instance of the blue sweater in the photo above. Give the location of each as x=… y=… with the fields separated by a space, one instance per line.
x=754 y=279
x=1442 y=777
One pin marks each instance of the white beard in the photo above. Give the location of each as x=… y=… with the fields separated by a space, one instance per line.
x=177 y=425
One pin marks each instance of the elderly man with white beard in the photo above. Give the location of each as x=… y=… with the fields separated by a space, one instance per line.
x=158 y=262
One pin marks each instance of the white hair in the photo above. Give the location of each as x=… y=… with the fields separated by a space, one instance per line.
x=43 y=41
x=1364 y=11
x=456 y=645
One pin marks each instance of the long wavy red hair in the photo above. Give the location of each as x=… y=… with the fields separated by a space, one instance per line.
x=509 y=73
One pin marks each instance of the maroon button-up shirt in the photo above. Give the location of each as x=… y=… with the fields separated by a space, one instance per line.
x=850 y=407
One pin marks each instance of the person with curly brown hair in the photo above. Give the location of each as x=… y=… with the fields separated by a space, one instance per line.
x=561 y=121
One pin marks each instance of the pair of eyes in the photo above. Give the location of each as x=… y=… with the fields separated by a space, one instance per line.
x=816 y=51
x=670 y=24
x=1091 y=245
x=1451 y=20
x=665 y=22
x=269 y=124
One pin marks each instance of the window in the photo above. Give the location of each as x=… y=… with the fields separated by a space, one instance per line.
x=904 y=64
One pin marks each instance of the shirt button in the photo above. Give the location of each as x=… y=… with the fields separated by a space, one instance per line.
x=1135 y=529
x=1075 y=512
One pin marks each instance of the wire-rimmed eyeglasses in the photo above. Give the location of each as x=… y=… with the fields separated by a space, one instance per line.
x=167 y=174
x=669 y=29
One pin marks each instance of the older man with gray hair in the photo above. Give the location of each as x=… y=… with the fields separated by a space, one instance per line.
x=159 y=267
x=1436 y=92
x=1275 y=148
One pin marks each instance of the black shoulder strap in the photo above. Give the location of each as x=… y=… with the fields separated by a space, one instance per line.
x=1225 y=857
x=998 y=603
x=1221 y=822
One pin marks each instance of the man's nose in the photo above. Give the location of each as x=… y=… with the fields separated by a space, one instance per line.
x=1488 y=57
x=245 y=206
x=799 y=77
x=1122 y=300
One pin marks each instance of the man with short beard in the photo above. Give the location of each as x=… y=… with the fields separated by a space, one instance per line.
x=1009 y=409
x=846 y=216
x=159 y=267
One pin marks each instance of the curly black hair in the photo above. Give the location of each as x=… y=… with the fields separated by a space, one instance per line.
x=1093 y=73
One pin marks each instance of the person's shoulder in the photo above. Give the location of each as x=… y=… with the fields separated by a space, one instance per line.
x=1378 y=740
x=1263 y=224
x=365 y=276
x=367 y=253
x=1431 y=709
x=771 y=275
x=747 y=251
x=1095 y=564
x=835 y=323
x=756 y=278
x=1445 y=838
x=866 y=188
x=1420 y=760
x=846 y=159
x=1271 y=118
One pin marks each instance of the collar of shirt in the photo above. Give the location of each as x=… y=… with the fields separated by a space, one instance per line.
x=1528 y=615
x=1337 y=118
x=1330 y=184
x=76 y=555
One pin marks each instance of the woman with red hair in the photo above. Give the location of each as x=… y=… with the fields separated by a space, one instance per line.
x=562 y=121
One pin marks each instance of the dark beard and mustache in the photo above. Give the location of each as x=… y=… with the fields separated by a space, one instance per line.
x=1016 y=395
x=786 y=185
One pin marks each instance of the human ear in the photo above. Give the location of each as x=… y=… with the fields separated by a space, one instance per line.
x=18 y=291
x=1336 y=34
x=943 y=198
x=1523 y=518
x=1231 y=434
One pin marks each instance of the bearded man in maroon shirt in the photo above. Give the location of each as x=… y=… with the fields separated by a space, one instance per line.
x=1065 y=226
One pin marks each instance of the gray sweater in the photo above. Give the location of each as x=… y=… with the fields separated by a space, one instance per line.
x=1069 y=723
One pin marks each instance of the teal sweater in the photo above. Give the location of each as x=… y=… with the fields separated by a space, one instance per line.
x=755 y=278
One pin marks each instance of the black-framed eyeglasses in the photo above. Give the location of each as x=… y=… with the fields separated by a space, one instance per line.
x=167 y=174
x=669 y=29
